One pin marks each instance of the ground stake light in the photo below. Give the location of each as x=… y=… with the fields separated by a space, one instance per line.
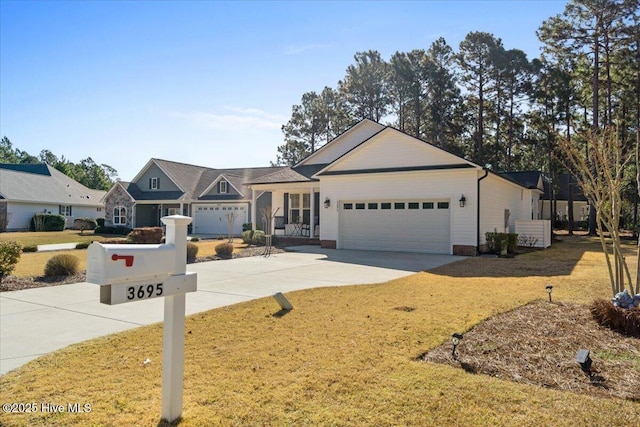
x=582 y=357
x=455 y=339
x=549 y=288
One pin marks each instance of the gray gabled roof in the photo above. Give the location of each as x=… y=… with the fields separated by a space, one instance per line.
x=290 y=175
x=41 y=183
x=194 y=180
x=527 y=179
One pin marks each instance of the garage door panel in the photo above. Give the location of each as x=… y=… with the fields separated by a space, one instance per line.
x=417 y=230
x=212 y=218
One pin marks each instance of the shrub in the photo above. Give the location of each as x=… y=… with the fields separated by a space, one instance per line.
x=246 y=226
x=9 y=256
x=195 y=239
x=61 y=265
x=83 y=245
x=499 y=242
x=47 y=222
x=30 y=248
x=100 y=222
x=224 y=249
x=146 y=235
x=84 y=224
x=192 y=252
x=251 y=237
x=622 y=320
x=121 y=231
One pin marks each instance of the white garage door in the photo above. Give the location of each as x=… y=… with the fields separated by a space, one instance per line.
x=382 y=225
x=213 y=218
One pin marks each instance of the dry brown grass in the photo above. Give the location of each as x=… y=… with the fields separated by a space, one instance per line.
x=344 y=356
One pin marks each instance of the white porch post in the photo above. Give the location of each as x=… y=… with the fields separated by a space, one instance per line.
x=254 y=216
x=312 y=202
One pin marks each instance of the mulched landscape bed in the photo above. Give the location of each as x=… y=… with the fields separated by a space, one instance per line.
x=13 y=283
x=537 y=344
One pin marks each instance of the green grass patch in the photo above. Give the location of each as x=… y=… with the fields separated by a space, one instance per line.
x=344 y=356
x=52 y=237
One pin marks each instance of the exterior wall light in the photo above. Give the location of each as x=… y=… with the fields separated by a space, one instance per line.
x=549 y=288
x=455 y=340
x=462 y=201
x=327 y=202
x=582 y=357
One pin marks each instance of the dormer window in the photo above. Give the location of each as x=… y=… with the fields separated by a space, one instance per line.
x=154 y=183
x=223 y=187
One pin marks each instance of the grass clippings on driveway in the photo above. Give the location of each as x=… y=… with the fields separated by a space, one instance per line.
x=344 y=356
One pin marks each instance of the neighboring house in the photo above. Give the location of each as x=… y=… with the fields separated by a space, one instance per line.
x=27 y=189
x=210 y=196
x=565 y=187
x=375 y=187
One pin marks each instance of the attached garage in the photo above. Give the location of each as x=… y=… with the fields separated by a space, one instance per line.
x=214 y=218
x=396 y=225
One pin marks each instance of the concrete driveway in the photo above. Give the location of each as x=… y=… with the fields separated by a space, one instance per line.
x=35 y=322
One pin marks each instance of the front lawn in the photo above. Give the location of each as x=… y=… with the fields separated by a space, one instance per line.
x=344 y=356
x=29 y=238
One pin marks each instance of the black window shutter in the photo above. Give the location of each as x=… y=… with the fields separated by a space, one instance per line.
x=158 y=183
x=70 y=210
x=59 y=209
x=286 y=208
x=149 y=183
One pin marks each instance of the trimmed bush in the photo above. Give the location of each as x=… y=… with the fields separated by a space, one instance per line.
x=83 y=245
x=84 y=224
x=246 y=226
x=30 y=248
x=100 y=222
x=120 y=231
x=224 y=249
x=622 y=320
x=251 y=237
x=192 y=252
x=61 y=265
x=47 y=222
x=9 y=256
x=499 y=243
x=146 y=235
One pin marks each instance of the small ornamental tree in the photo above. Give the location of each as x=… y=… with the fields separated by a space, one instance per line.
x=600 y=172
x=9 y=256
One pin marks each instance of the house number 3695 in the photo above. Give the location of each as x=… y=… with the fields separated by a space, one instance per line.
x=144 y=291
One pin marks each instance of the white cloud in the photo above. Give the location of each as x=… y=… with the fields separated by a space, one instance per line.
x=298 y=49
x=234 y=119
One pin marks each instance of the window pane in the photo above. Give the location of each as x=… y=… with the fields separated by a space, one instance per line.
x=373 y=206
x=306 y=201
x=427 y=205
x=294 y=200
x=443 y=205
x=359 y=205
x=398 y=205
x=414 y=205
x=348 y=205
x=385 y=205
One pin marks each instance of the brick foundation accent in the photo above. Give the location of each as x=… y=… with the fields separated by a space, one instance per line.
x=464 y=250
x=328 y=244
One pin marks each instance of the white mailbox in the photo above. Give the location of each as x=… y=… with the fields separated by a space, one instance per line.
x=117 y=264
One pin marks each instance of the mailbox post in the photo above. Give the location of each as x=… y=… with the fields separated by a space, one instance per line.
x=128 y=273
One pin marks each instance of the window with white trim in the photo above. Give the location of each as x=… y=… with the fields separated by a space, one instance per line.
x=223 y=187
x=64 y=210
x=119 y=215
x=299 y=212
x=154 y=183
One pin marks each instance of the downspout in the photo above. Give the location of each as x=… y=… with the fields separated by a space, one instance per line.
x=486 y=173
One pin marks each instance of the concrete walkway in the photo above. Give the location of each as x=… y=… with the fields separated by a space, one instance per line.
x=35 y=322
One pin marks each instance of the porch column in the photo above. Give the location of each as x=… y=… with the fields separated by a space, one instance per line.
x=312 y=202
x=254 y=217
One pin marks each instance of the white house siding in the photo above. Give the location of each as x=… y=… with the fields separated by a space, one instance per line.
x=403 y=149
x=344 y=143
x=441 y=185
x=20 y=214
x=496 y=196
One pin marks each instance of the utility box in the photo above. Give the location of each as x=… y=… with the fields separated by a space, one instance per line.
x=129 y=264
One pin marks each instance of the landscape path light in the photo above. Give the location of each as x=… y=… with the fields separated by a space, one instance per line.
x=455 y=339
x=549 y=288
x=582 y=357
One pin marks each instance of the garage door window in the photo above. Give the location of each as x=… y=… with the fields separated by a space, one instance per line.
x=398 y=205
x=414 y=205
x=372 y=206
x=385 y=205
x=348 y=205
x=427 y=205
x=359 y=205
x=443 y=205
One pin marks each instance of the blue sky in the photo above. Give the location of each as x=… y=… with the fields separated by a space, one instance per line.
x=205 y=82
